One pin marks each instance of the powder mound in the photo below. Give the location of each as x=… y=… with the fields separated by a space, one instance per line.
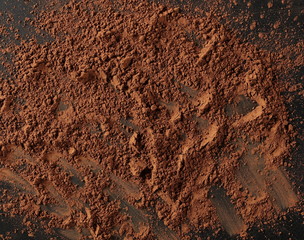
x=140 y=121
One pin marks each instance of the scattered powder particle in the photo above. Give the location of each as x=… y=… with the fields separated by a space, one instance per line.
x=253 y=25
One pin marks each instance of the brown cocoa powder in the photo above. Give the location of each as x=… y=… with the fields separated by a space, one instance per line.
x=140 y=112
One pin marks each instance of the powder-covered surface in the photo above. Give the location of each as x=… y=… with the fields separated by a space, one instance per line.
x=142 y=121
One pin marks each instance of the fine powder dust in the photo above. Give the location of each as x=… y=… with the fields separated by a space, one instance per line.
x=141 y=121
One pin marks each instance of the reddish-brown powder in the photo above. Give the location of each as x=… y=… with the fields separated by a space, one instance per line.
x=136 y=113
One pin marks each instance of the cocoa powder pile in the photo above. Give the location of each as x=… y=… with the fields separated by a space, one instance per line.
x=139 y=120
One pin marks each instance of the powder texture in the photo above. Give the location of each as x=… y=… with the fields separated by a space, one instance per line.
x=142 y=121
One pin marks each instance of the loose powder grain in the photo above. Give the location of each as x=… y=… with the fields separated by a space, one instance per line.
x=142 y=121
